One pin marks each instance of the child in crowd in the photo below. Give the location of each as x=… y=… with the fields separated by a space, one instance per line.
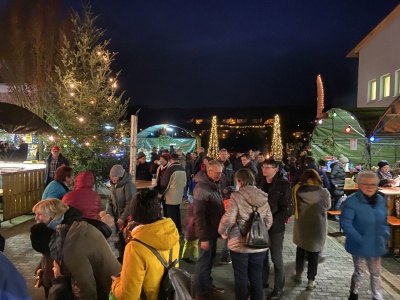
x=40 y=236
x=61 y=288
x=191 y=246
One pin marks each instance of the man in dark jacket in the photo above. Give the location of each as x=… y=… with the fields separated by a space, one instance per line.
x=53 y=161
x=142 y=167
x=309 y=163
x=208 y=210
x=281 y=204
x=248 y=164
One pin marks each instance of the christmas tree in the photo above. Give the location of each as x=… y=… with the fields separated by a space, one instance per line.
x=213 y=147
x=88 y=110
x=277 y=147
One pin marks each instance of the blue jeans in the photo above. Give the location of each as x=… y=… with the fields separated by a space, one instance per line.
x=338 y=202
x=202 y=273
x=247 y=268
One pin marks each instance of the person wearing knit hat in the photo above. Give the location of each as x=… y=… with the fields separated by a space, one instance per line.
x=155 y=231
x=343 y=159
x=338 y=177
x=384 y=174
x=53 y=161
x=142 y=168
x=121 y=192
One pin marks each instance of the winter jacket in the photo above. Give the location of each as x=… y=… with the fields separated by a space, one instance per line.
x=177 y=181
x=310 y=228
x=251 y=166
x=12 y=283
x=55 y=189
x=337 y=176
x=141 y=269
x=280 y=201
x=227 y=171
x=83 y=197
x=143 y=171
x=365 y=225
x=208 y=207
x=237 y=219
x=91 y=270
x=120 y=197
x=321 y=173
x=61 y=160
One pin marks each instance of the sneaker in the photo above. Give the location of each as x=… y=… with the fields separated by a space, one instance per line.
x=215 y=290
x=297 y=277
x=311 y=285
x=225 y=262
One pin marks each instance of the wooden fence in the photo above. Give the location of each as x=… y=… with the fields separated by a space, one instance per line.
x=21 y=191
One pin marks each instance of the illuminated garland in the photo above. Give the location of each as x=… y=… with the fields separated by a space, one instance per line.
x=277 y=147
x=213 y=147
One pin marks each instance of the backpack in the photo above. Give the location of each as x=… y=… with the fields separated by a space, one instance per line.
x=257 y=237
x=176 y=284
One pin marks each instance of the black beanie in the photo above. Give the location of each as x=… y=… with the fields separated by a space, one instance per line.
x=145 y=207
x=40 y=237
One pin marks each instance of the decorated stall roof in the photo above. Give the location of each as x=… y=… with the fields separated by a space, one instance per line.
x=165 y=135
x=338 y=132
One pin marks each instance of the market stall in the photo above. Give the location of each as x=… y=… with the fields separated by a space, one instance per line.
x=21 y=184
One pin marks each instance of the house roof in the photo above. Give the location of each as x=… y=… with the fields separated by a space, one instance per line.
x=355 y=52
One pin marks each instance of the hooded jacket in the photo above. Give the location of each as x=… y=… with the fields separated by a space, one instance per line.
x=141 y=268
x=83 y=197
x=208 y=207
x=236 y=220
x=310 y=228
x=338 y=177
x=120 y=197
x=365 y=225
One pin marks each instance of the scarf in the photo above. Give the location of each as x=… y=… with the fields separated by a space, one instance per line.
x=309 y=182
x=386 y=175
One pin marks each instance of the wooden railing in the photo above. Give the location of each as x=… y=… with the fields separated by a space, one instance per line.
x=21 y=191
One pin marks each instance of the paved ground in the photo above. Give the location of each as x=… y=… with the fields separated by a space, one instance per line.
x=333 y=275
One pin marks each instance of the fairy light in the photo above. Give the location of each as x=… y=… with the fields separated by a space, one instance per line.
x=213 y=148
x=80 y=119
x=277 y=147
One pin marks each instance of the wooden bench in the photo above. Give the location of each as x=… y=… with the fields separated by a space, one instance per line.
x=336 y=213
x=394 y=228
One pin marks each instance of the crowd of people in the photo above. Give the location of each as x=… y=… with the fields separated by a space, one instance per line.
x=90 y=253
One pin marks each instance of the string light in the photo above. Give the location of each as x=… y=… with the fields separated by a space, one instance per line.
x=213 y=147
x=277 y=147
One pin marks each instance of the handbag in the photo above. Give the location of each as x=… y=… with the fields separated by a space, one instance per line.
x=258 y=236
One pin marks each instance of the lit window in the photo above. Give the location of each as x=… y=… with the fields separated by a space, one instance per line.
x=396 y=83
x=371 y=90
x=384 y=86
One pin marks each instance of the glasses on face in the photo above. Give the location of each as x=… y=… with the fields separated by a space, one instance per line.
x=218 y=173
x=370 y=185
x=265 y=167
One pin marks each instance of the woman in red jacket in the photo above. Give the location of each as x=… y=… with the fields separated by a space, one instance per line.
x=83 y=197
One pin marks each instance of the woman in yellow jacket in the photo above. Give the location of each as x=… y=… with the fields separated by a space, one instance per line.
x=141 y=269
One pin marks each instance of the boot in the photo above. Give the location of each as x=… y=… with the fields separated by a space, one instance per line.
x=353 y=296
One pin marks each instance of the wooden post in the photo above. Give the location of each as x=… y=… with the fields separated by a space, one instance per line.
x=133 y=150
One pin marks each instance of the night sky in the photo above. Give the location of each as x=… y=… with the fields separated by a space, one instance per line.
x=186 y=53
